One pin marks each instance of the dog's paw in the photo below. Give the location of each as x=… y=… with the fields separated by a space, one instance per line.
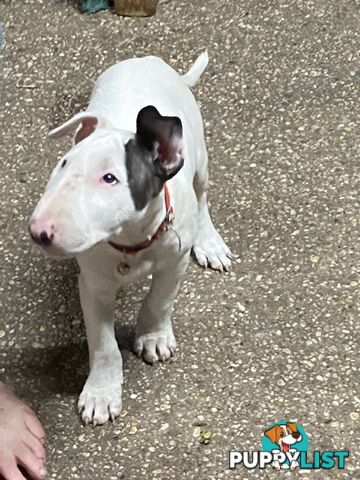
x=155 y=346
x=100 y=400
x=210 y=250
x=98 y=405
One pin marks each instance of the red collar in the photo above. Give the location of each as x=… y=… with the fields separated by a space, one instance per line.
x=169 y=217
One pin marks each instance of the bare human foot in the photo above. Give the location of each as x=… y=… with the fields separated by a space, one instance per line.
x=22 y=439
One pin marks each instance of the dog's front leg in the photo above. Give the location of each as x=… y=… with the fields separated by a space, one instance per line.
x=154 y=338
x=101 y=395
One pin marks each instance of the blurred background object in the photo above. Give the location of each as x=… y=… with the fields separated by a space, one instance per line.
x=140 y=8
x=93 y=6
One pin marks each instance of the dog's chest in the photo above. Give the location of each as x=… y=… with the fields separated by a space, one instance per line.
x=130 y=268
x=104 y=264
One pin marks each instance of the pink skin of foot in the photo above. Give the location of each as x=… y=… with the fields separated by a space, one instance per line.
x=22 y=439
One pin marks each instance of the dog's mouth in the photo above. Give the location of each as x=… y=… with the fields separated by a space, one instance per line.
x=55 y=249
x=52 y=250
x=285 y=447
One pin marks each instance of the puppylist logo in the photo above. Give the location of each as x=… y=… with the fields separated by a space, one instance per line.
x=285 y=441
x=285 y=445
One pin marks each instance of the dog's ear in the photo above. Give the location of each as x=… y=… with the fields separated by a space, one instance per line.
x=82 y=124
x=273 y=433
x=292 y=426
x=162 y=136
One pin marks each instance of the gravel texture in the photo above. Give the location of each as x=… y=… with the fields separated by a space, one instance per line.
x=278 y=336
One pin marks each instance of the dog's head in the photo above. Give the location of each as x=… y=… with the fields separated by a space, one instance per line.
x=284 y=435
x=105 y=180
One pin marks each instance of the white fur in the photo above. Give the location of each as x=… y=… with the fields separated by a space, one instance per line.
x=85 y=213
x=192 y=76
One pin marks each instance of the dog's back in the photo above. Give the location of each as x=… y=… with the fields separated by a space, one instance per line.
x=123 y=89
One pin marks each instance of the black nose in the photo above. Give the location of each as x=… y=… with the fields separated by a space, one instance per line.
x=296 y=435
x=42 y=239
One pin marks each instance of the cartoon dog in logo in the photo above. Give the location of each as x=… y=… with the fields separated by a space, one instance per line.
x=285 y=436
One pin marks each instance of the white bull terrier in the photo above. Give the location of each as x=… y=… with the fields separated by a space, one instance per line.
x=129 y=200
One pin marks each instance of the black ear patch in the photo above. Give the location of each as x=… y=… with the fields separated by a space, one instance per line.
x=143 y=183
x=154 y=156
x=162 y=136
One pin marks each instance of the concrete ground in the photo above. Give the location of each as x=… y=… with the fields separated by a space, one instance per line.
x=276 y=338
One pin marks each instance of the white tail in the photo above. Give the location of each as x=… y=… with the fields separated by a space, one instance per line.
x=192 y=76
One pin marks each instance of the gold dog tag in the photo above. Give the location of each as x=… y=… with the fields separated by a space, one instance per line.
x=123 y=268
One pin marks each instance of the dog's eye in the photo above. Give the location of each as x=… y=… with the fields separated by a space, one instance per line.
x=110 y=179
x=63 y=163
x=281 y=434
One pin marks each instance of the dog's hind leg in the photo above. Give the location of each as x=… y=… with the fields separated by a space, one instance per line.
x=209 y=248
